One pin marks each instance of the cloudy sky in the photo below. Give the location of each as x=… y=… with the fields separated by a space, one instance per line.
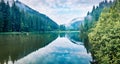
x=62 y=11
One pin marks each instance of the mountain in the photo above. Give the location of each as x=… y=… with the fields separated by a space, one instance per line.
x=47 y=22
x=26 y=8
x=19 y=17
x=75 y=24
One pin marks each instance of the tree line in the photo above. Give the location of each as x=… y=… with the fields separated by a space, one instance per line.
x=15 y=19
x=105 y=36
x=90 y=19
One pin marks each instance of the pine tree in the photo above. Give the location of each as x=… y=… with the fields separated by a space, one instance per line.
x=6 y=17
x=16 y=16
x=2 y=14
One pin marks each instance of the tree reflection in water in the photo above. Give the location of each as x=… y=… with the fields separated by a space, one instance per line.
x=43 y=48
x=14 y=47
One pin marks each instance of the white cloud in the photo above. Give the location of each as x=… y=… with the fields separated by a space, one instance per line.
x=62 y=11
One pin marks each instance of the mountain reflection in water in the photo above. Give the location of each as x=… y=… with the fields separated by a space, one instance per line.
x=43 y=49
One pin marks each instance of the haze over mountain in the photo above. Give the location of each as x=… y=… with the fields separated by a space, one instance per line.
x=62 y=11
x=90 y=18
x=47 y=22
x=75 y=24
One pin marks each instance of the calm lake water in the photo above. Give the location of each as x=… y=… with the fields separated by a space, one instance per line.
x=43 y=48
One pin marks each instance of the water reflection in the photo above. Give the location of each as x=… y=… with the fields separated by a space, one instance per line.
x=74 y=37
x=43 y=48
x=60 y=51
x=62 y=34
x=14 y=47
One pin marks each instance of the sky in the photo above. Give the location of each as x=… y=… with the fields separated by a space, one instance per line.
x=62 y=11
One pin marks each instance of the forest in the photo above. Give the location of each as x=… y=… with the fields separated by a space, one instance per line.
x=16 y=19
x=101 y=30
x=105 y=36
x=92 y=18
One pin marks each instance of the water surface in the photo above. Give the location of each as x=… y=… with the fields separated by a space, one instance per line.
x=43 y=48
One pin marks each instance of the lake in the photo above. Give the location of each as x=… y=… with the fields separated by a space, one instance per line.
x=43 y=48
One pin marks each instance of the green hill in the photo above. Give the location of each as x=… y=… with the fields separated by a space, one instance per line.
x=105 y=36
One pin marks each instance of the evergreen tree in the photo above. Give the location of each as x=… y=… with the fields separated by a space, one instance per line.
x=1 y=15
x=105 y=36
x=16 y=22
x=15 y=19
x=91 y=19
x=6 y=17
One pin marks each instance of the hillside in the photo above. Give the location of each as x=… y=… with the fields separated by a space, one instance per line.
x=20 y=17
x=105 y=36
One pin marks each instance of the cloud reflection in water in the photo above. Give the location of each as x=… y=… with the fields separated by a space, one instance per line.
x=60 y=51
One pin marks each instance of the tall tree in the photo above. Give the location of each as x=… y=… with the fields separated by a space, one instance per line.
x=6 y=14
x=16 y=18
x=1 y=15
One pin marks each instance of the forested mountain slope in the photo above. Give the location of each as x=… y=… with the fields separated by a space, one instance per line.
x=91 y=18
x=19 y=17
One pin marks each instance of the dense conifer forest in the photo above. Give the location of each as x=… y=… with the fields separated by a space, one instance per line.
x=16 y=19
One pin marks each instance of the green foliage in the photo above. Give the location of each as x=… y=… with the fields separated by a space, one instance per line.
x=4 y=12
x=105 y=36
x=20 y=45
x=90 y=20
x=94 y=15
x=15 y=19
x=62 y=27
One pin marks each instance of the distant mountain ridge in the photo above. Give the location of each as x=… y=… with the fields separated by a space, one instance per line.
x=27 y=9
x=75 y=24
